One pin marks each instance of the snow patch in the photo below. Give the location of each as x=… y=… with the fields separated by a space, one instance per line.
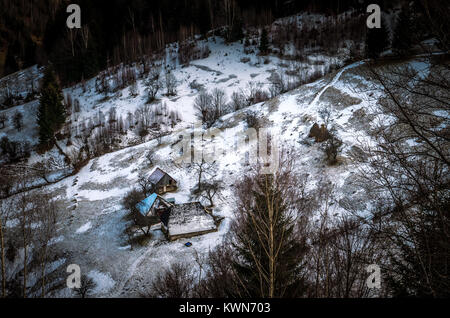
x=84 y=228
x=104 y=282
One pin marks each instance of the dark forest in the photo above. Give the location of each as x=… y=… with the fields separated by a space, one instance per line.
x=122 y=31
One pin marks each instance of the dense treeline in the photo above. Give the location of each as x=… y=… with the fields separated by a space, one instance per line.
x=122 y=31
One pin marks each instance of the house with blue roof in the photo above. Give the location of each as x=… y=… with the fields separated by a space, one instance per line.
x=149 y=210
x=146 y=205
x=177 y=220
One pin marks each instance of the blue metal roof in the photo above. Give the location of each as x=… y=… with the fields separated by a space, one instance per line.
x=145 y=205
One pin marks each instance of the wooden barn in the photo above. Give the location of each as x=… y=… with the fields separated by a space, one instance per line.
x=177 y=220
x=162 y=182
x=187 y=220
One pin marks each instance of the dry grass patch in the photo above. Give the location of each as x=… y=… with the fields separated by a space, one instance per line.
x=339 y=99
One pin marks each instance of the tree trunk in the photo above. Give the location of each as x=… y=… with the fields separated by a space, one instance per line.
x=271 y=262
x=43 y=265
x=25 y=256
x=25 y=252
x=2 y=245
x=200 y=172
x=271 y=245
x=211 y=203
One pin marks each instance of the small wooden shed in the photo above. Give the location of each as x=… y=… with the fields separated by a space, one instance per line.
x=162 y=182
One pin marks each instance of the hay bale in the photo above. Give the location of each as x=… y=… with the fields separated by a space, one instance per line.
x=320 y=134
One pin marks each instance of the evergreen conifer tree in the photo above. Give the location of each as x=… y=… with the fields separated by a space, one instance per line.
x=236 y=31
x=264 y=42
x=51 y=112
x=403 y=34
x=269 y=252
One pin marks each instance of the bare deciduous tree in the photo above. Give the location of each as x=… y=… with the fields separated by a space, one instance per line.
x=5 y=212
x=202 y=168
x=238 y=101
x=332 y=146
x=46 y=215
x=86 y=288
x=18 y=120
x=219 y=100
x=278 y=83
x=407 y=171
x=203 y=107
x=175 y=282
x=25 y=208
x=341 y=249
x=209 y=190
x=153 y=83
x=3 y=119
x=170 y=83
x=147 y=187
x=210 y=107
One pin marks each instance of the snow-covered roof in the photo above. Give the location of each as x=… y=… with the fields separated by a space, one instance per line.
x=189 y=218
x=157 y=175
x=145 y=205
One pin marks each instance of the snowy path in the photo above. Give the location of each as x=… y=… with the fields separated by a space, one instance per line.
x=312 y=106
x=120 y=288
x=334 y=81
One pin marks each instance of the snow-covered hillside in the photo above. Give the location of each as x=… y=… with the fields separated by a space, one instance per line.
x=93 y=223
x=228 y=67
